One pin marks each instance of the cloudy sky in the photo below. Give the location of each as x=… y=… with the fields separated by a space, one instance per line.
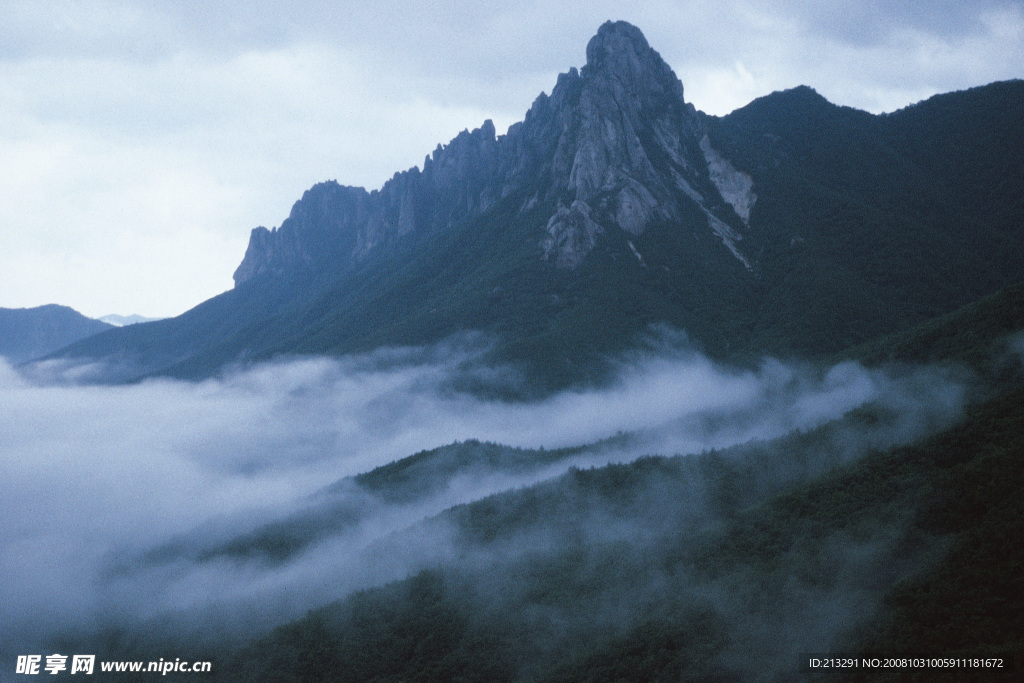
x=140 y=141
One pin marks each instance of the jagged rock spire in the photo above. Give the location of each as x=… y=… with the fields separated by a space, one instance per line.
x=615 y=146
x=632 y=152
x=620 y=51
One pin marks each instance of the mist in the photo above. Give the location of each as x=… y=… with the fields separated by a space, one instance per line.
x=120 y=504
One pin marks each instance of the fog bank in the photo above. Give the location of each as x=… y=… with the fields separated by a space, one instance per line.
x=97 y=477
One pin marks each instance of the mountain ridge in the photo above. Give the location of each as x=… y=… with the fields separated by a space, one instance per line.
x=600 y=171
x=28 y=333
x=791 y=226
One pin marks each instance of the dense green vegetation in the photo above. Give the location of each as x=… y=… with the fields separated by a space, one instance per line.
x=868 y=224
x=341 y=506
x=717 y=566
x=428 y=472
x=721 y=565
x=706 y=569
x=973 y=601
x=979 y=336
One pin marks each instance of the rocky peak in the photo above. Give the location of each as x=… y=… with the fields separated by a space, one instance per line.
x=614 y=146
x=320 y=228
x=619 y=51
x=630 y=151
x=467 y=159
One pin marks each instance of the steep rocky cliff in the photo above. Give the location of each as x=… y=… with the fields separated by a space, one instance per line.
x=615 y=146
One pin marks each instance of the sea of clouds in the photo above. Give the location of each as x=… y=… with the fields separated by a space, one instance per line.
x=94 y=477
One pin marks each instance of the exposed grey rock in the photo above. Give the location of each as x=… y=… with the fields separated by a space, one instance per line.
x=615 y=142
x=572 y=233
x=736 y=187
x=728 y=236
x=635 y=206
x=624 y=110
x=321 y=228
x=632 y=248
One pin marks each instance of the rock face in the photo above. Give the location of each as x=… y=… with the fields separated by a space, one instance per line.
x=629 y=150
x=614 y=147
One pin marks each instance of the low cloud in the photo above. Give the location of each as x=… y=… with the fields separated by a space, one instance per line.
x=97 y=479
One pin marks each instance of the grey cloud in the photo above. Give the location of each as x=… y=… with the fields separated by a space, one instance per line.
x=471 y=41
x=874 y=21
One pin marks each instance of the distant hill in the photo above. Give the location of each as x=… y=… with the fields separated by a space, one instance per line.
x=27 y=333
x=790 y=227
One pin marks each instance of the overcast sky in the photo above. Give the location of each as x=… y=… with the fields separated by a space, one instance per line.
x=141 y=141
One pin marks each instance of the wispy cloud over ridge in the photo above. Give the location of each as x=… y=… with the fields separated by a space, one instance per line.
x=94 y=476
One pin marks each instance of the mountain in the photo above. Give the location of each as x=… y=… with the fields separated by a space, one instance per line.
x=27 y=333
x=124 y=320
x=791 y=226
x=701 y=560
x=905 y=550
